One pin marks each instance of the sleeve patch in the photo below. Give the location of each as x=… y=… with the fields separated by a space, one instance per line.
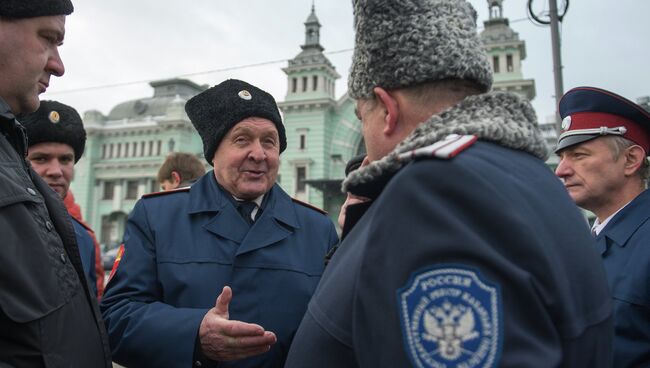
x=451 y=317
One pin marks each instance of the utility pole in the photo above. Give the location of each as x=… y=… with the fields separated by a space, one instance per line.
x=557 y=60
x=554 y=22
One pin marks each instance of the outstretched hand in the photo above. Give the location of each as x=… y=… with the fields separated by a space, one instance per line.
x=222 y=339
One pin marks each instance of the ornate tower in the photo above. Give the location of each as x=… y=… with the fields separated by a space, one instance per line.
x=322 y=132
x=505 y=51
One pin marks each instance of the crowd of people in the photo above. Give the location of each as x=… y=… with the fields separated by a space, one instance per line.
x=458 y=246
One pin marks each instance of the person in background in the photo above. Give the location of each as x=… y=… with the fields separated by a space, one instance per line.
x=603 y=149
x=234 y=236
x=460 y=258
x=48 y=316
x=56 y=140
x=75 y=211
x=180 y=169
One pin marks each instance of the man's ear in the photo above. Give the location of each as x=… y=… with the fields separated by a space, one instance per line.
x=176 y=179
x=634 y=157
x=391 y=110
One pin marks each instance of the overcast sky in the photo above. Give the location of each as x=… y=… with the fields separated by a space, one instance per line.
x=604 y=44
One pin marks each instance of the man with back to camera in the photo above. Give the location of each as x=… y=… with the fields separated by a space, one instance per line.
x=47 y=315
x=603 y=149
x=180 y=169
x=234 y=236
x=56 y=140
x=460 y=259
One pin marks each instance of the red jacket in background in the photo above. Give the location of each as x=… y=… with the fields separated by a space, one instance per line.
x=75 y=211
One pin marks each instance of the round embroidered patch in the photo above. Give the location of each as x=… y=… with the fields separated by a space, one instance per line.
x=450 y=317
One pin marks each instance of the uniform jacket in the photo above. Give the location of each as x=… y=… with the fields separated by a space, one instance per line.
x=87 y=254
x=477 y=260
x=98 y=269
x=623 y=245
x=47 y=315
x=182 y=248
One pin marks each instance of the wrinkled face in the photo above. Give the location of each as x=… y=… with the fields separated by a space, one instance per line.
x=590 y=173
x=247 y=160
x=54 y=162
x=369 y=113
x=29 y=55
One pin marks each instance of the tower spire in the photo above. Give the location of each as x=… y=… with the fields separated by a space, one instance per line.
x=312 y=30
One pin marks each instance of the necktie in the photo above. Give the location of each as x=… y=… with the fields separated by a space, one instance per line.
x=246 y=208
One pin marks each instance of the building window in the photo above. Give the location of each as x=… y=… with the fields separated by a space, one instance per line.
x=301 y=175
x=495 y=63
x=302 y=141
x=509 y=66
x=294 y=85
x=304 y=84
x=110 y=151
x=103 y=151
x=142 y=148
x=132 y=189
x=314 y=85
x=158 y=148
x=109 y=190
x=150 y=151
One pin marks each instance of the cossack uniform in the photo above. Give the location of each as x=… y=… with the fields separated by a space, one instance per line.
x=182 y=247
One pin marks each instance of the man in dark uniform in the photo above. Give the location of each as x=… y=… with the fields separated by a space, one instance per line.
x=469 y=253
x=56 y=139
x=602 y=148
x=234 y=236
x=47 y=315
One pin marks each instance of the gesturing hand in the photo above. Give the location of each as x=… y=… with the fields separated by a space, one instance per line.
x=223 y=339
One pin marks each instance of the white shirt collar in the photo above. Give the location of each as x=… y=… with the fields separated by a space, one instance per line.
x=599 y=226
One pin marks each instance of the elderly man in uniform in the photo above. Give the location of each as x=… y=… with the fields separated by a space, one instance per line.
x=234 y=236
x=56 y=139
x=602 y=149
x=461 y=258
x=47 y=315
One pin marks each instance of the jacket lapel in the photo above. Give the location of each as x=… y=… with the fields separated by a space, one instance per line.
x=277 y=222
x=625 y=223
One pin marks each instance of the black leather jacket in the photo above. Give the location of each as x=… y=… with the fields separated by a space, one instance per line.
x=47 y=318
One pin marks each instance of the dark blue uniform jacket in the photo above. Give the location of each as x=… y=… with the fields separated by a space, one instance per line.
x=511 y=278
x=87 y=253
x=182 y=248
x=624 y=246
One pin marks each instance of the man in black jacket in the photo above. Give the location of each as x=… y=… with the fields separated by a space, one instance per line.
x=47 y=318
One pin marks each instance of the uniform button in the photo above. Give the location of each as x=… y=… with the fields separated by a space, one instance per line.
x=62 y=256
x=31 y=191
x=48 y=225
x=198 y=364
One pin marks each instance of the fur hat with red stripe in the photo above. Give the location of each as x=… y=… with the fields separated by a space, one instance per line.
x=588 y=113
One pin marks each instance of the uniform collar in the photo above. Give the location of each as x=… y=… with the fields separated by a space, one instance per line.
x=5 y=110
x=621 y=227
x=207 y=196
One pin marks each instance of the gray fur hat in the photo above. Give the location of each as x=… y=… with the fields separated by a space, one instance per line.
x=216 y=110
x=34 y=8
x=401 y=43
x=55 y=122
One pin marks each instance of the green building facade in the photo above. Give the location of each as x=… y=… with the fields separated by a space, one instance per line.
x=125 y=148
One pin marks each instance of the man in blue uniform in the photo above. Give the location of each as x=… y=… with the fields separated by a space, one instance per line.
x=47 y=315
x=219 y=274
x=469 y=252
x=602 y=148
x=56 y=139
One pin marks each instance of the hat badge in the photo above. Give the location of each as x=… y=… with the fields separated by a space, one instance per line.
x=54 y=117
x=566 y=123
x=245 y=95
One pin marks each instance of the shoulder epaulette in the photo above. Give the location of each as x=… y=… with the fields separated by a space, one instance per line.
x=164 y=192
x=445 y=149
x=83 y=224
x=309 y=206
